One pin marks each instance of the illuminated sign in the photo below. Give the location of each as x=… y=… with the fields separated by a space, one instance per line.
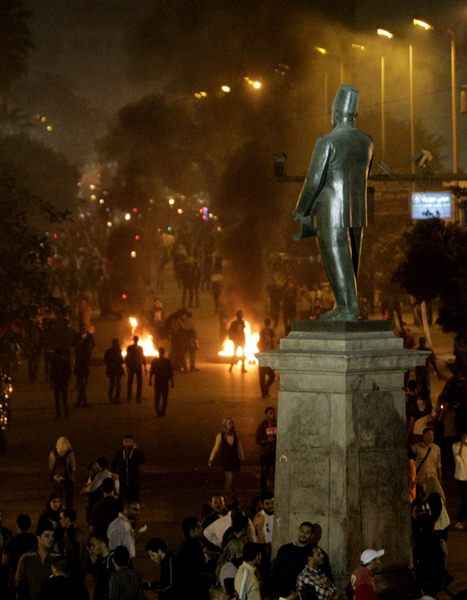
x=431 y=205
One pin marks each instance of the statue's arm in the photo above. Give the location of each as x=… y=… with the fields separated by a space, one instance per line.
x=315 y=179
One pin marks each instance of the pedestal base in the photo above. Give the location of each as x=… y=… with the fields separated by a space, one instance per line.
x=342 y=443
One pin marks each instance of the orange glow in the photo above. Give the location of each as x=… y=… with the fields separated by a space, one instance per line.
x=250 y=349
x=146 y=340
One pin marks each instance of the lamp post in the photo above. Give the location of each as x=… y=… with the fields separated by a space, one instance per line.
x=388 y=35
x=411 y=112
x=454 y=133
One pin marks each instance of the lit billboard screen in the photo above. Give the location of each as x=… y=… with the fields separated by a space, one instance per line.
x=431 y=205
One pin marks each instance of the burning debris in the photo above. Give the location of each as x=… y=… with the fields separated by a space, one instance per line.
x=248 y=351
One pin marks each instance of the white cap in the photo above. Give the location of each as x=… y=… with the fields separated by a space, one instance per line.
x=370 y=555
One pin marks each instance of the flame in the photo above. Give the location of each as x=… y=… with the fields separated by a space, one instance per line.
x=146 y=340
x=250 y=349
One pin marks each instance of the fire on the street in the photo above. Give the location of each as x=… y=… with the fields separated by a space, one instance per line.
x=250 y=349
x=146 y=340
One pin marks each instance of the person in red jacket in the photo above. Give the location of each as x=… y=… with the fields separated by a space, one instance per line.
x=362 y=580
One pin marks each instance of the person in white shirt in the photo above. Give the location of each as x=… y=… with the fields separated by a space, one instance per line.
x=459 y=450
x=246 y=582
x=214 y=533
x=121 y=532
x=264 y=519
x=428 y=457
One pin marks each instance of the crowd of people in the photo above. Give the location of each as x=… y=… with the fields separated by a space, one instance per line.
x=437 y=450
x=226 y=553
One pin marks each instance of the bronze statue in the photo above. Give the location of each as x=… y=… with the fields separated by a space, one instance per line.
x=334 y=193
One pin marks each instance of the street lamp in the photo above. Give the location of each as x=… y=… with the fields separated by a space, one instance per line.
x=226 y=89
x=388 y=35
x=385 y=33
x=454 y=135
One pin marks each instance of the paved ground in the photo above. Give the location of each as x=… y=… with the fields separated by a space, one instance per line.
x=176 y=478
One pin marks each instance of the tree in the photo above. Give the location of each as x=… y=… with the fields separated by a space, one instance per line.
x=24 y=249
x=435 y=266
x=45 y=173
x=15 y=44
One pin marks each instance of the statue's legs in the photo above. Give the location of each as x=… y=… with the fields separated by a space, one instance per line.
x=336 y=254
x=356 y=238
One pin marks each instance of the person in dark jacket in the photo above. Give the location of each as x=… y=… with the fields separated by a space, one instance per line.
x=266 y=436
x=135 y=363
x=162 y=373
x=124 y=584
x=291 y=559
x=60 y=373
x=113 y=361
x=83 y=353
x=159 y=554
x=193 y=579
x=105 y=510
x=126 y=464
x=60 y=585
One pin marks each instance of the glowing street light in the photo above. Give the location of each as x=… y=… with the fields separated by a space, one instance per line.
x=226 y=89
x=385 y=33
x=171 y=201
x=201 y=95
x=101 y=201
x=92 y=197
x=127 y=217
x=256 y=84
x=454 y=131
x=422 y=24
x=180 y=211
x=321 y=50
x=49 y=128
x=109 y=223
x=133 y=254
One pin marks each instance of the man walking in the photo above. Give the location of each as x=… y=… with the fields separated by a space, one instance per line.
x=267 y=342
x=237 y=335
x=34 y=568
x=135 y=362
x=83 y=354
x=126 y=464
x=60 y=373
x=266 y=436
x=113 y=361
x=162 y=373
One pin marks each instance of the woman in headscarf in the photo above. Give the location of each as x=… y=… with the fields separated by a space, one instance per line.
x=62 y=469
x=230 y=451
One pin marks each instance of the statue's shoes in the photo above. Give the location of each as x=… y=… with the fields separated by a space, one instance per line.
x=339 y=314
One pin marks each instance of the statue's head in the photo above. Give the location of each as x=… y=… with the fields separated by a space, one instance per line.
x=345 y=105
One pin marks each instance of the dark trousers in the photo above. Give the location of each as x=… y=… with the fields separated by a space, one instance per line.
x=266 y=379
x=161 y=395
x=462 y=490
x=267 y=470
x=192 y=358
x=114 y=388
x=81 y=385
x=33 y=367
x=139 y=384
x=61 y=398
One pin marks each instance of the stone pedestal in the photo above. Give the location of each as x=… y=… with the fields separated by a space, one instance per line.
x=342 y=442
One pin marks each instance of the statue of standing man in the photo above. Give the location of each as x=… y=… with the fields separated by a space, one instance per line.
x=334 y=193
